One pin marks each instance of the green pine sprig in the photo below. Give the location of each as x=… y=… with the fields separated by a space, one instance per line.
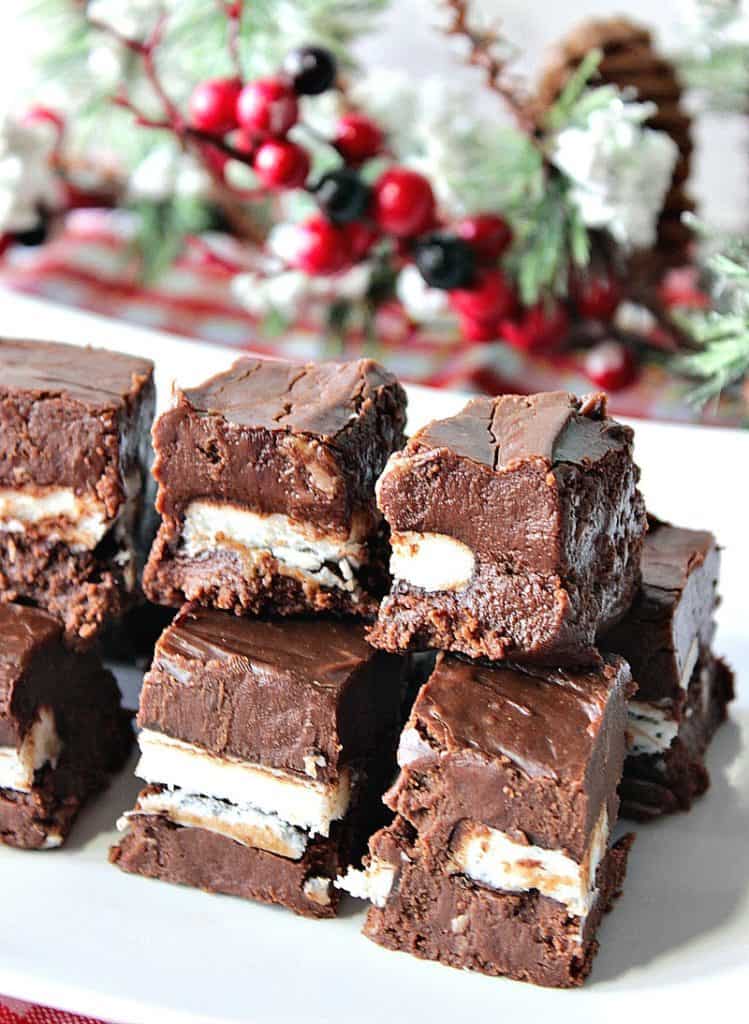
x=721 y=335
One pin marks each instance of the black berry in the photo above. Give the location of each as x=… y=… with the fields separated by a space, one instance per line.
x=445 y=261
x=36 y=235
x=311 y=69
x=342 y=196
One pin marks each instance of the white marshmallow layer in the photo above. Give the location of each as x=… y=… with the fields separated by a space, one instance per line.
x=431 y=561
x=492 y=858
x=373 y=883
x=306 y=803
x=244 y=824
x=41 y=746
x=300 y=551
x=79 y=521
x=651 y=728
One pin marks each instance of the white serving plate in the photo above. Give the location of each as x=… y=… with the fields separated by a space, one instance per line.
x=80 y=935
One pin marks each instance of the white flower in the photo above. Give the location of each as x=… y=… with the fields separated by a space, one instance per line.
x=27 y=182
x=134 y=19
x=285 y=291
x=421 y=302
x=281 y=293
x=167 y=171
x=620 y=171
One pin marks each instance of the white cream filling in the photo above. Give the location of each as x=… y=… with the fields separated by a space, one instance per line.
x=244 y=824
x=80 y=521
x=651 y=728
x=373 y=883
x=317 y=889
x=307 y=803
x=689 y=664
x=41 y=745
x=300 y=551
x=83 y=519
x=411 y=747
x=492 y=858
x=431 y=561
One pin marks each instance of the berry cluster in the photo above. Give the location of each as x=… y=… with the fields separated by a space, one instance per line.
x=400 y=205
x=463 y=259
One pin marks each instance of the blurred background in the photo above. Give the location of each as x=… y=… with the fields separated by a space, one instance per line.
x=187 y=227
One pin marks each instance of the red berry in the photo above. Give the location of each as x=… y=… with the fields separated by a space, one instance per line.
x=490 y=299
x=267 y=106
x=321 y=247
x=281 y=164
x=479 y=330
x=37 y=114
x=213 y=105
x=358 y=138
x=596 y=297
x=488 y=234
x=403 y=202
x=360 y=237
x=611 y=366
x=541 y=328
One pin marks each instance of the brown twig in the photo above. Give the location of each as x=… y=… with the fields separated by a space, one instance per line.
x=172 y=120
x=233 y=11
x=483 y=54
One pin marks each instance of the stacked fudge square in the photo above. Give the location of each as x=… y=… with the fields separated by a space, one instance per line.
x=683 y=687
x=268 y=724
x=517 y=530
x=74 y=443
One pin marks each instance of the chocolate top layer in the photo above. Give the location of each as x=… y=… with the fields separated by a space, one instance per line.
x=314 y=399
x=321 y=654
x=507 y=430
x=535 y=752
x=37 y=671
x=670 y=555
x=302 y=695
x=23 y=631
x=277 y=437
x=671 y=618
x=544 y=722
x=97 y=378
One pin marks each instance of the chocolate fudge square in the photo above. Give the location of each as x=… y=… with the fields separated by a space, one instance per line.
x=62 y=729
x=266 y=479
x=506 y=800
x=266 y=746
x=665 y=770
x=424 y=907
x=74 y=461
x=516 y=531
x=682 y=689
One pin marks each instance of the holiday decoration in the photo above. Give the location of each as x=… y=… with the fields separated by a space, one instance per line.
x=630 y=62
x=367 y=202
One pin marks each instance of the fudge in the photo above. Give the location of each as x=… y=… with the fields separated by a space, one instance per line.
x=683 y=689
x=62 y=729
x=516 y=529
x=499 y=859
x=74 y=465
x=266 y=479
x=266 y=747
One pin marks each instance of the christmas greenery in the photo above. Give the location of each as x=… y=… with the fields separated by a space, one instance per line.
x=720 y=335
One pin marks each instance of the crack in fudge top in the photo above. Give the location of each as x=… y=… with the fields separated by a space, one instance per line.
x=671 y=554
x=97 y=378
x=504 y=431
x=308 y=398
x=544 y=722
x=322 y=654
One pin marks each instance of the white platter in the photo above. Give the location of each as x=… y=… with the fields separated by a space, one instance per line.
x=77 y=934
